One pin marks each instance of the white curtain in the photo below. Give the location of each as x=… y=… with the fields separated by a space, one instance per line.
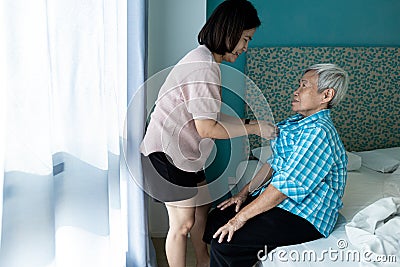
x=64 y=187
x=140 y=249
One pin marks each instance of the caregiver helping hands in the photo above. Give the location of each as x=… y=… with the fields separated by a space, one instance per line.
x=224 y=129
x=187 y=117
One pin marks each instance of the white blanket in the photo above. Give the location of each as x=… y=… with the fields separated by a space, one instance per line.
x=375 y=230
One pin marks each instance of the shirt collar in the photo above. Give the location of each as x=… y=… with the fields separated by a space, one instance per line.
x=299 y=120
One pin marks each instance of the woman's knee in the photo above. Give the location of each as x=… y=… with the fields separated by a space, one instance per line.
x=181 y=220
x=182 y=227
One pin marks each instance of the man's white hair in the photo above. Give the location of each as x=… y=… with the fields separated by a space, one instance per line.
x=331 y=76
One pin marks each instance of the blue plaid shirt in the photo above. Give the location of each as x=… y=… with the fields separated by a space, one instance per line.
x=310 y=162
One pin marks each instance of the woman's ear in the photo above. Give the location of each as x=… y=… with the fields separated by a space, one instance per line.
x=328 y=95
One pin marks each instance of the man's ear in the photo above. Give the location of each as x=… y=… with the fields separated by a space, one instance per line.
x=328 y=95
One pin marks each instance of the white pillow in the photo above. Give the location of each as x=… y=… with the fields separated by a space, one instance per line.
x=353 y=161
x=262 y=153
x=380 y=160
x=393 y=152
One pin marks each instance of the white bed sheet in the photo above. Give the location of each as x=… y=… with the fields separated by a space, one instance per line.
x=363 y=188
x=332 y=251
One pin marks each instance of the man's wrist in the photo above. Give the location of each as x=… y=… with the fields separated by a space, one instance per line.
x=240 y=217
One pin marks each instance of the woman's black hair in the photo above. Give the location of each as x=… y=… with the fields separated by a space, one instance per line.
x=225 y=26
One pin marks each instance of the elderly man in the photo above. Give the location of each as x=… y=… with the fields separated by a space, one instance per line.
x=306 y=178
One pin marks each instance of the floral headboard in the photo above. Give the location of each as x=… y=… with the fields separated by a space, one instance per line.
x=367 y=118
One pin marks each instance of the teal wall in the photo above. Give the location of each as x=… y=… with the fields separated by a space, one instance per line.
x=310 y=23
x=172 y=32
x=324 y=23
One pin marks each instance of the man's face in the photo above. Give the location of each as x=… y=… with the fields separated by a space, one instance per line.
x=306 y=99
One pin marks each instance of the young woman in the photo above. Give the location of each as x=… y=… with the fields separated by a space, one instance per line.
x=187 y=117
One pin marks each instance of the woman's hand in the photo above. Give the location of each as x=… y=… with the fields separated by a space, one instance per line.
x=267 y=130
x=229 y=229
x=237 y=199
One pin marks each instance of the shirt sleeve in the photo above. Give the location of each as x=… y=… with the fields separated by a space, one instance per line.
x=306 y=167
x=202 y=95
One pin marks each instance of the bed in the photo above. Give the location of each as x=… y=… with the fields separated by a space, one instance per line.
x=368 y=123
x=364 y=187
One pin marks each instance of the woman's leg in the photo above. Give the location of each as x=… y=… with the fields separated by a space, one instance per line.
x=196 y=235
x=181 y=221
x=201 y=201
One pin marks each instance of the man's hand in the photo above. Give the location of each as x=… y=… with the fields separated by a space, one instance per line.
x=229 y=229
x=237 y=199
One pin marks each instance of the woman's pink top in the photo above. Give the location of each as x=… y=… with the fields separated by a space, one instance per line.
x=190 y=92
